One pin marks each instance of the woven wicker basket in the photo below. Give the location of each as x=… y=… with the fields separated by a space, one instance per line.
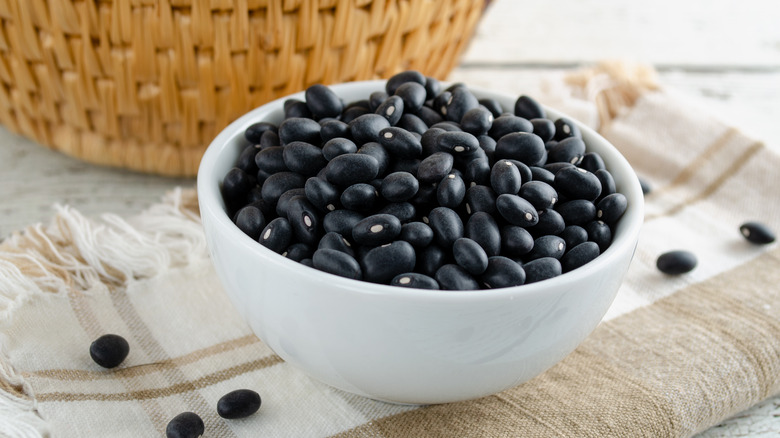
x=147 y=84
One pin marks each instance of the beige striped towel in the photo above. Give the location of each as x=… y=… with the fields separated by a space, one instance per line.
x=674 y=356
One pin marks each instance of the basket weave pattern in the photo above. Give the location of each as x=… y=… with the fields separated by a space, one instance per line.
x=147 y=84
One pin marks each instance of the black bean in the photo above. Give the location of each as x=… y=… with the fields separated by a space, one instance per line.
x=457 y=143
x=298 y=252
x=507 y=124
x=418 y=234
x=611 y=208
x=547 y=246
x=432 y=87
x=240 y=403
x=542 y=269
x=299 y=129
x=459 y=103
x=448 y=126
x=502 y=272
x=480 y=198
x=404 y=211
x=366 y=128
x=573 y=235
x=304 y=220
x=446 y=225
x=516 y=241
x=542 y=174
x=377 y=151
x=505 y=178
x=333 y=128
x=521 y=146
x=359 y=197
x=477 y=172
x=569 y=150
x=338 y=146
x=454 y=277
x=428 y=141
x=757 y=232
x=430 y=259
x=277 y=235
x=425 y=196
x=435 y=167
x=429 y=116
x=376 y=229
x=303 y=158
x=544 y=128
x=470 y=255
x=409 y=165
x=607 y=183
x=399 y=142
x=646 y=186
x=383 y=263
x=483 y=229
x=414 y=280
x=676 y=262
x=493 y=106
x=251 y=221
x=307 y=262
x=579 y=255
x=550 y=222
x=517 y=210
x=577 y=183
x=577 y=211
x=270 y=138
x=321 y=193
x=396 y=80
x=351 y=114
x=592 y=162
x=565 y=128
x=109 y=351
x=271 y=160
x=555 y=167
x=375 y=99
x=345 y=170
x=391 y=109
x=280 y=182
x=333 y=240
x=528 y=108
x=600 y=233
x=246 y=160
x=341 y=221
x=413 y=95
x=323 y=102
x=185 y=425
x=477 y=121
x=337 y=262
x=235 y=187
x=255 y=131
x=540 y=194
x=284 y=200
x=451 y=191
x=412 y=123
x=525 y=171
x=399 y=187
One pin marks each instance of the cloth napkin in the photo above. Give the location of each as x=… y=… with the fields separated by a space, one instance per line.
x=674 y=355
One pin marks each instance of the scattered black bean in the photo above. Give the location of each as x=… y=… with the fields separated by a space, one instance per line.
x=477 y=172
x=299 y=129
x=550 y=222
x=270 y=138
x=592 y=162
x=375 y=99
x=646 y=186
x=412 y=123
x=459 y=103
x=540 y=194
x=398 y=79
x=493 y=106
x=280 y=182
x=332 y=128
x=607 y=183
x=676 y=262
x=271 y=159
x=435 y=167
x=457 y=142
x=431 y=258
x=577 y=211
x=359 y=197
x=240 y=403
x=185 y=425
x=477 y=121
x=542 y=174
x=304 y=220
x=109 y=351
x=756 y=232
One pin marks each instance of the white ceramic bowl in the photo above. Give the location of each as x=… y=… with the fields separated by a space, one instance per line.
x=407 y=345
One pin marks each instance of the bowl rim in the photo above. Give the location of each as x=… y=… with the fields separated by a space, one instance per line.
x=211 y=204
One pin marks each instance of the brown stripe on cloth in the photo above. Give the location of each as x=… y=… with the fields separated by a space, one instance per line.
x=141 y=370
x=167 y=391
x=670 y=369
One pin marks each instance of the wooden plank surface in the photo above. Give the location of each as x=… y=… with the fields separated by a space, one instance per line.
x=723 y=54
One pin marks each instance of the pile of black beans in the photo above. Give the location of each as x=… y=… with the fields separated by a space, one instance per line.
x=419 y=186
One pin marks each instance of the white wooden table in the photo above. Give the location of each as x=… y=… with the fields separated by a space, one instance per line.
x=724 y=54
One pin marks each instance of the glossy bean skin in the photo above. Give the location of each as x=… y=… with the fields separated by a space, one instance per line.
x=348 y=169
x=383 y=263
x=569 y=150
x=579 y=255
x=271 y=160
x=337 y=262
x=577 y=183
x=298 y=252
x=550 y=222
x=480 y=198
x=521 y=146
x=399 y=187
x=676 y=262
x=333 y=128
x=459 y=103
x=431 y=258
x=477 y=121
x=305 y=220
x=477 y=172
x=376 y=229
x=185 y=425
x=414 y=280
x=492 y=105
x=454 y=277
x=341 y=221
x=412 y=123
x=323 y=102
x=611 y=208
x=338 y=146
x=544 y=128
x=540 y=194
x=505 y=178
x=251 y=221
x=366 y=128
x=413 y=95
x=235 y=187
x=391 y=109
x=451 y=191
x=600 y=233
x=502 y=272
x=542 y=174
x=435 y=167
x=517 y=210
x=507 y=124
x=576 y=212
x=542 y=269
x=565 y=128
x=280 y=182
x=608 y=186
x=592 y=162
x=457 y=143
x=757 y=232
x=284 y=200
x=322 y=194
x=418 y=234
x=573 y=235
x=303 y=158
x=470 y=256
x=333 y=240
x=547 y=246
x=379 y=153
x=482 y=228
x=398 y=79
x=277 y=235
x=516 y=241
x=359 y=197
x=299 y=129
x=239 y=403
x=109 y=350
x=528 y=108
x=404 y=211
x=254 y=133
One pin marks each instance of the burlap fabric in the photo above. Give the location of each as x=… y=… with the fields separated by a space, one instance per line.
x=674 y=356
